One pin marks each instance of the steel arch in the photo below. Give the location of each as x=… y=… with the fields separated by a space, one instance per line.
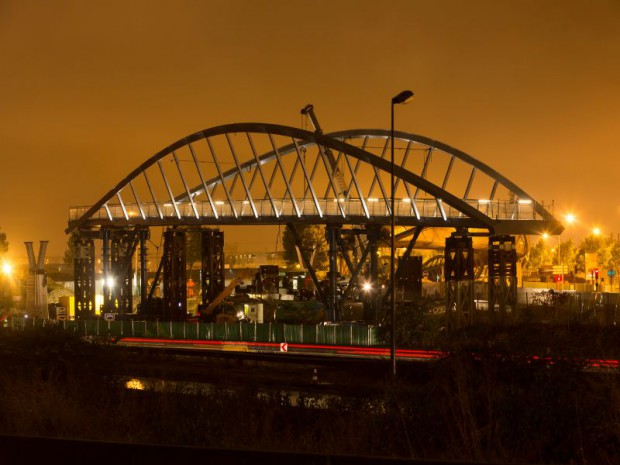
x=182 y=208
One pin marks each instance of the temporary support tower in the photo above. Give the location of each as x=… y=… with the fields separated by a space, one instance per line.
x=459 y=274
x=175 y=291
x=84 y=276
x=502 y=275
x=212 y=276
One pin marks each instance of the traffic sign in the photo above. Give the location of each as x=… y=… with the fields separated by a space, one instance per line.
x=283 y=347
x=611 y=273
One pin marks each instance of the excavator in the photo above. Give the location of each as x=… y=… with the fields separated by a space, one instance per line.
x=217 y=312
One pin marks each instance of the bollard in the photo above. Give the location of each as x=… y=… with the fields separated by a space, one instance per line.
x=315 y=376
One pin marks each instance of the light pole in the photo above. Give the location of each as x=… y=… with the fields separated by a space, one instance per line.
x=595 y=232
x=401 y=99
x=560 y=261
x=570 y=219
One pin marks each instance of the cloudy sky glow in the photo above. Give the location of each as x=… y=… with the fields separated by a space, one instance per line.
x=90 y=89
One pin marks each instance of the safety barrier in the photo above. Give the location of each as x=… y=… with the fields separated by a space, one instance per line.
x=335 y=334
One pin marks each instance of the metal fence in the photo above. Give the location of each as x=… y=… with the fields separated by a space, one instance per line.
x=359 y=335
x=569 y=306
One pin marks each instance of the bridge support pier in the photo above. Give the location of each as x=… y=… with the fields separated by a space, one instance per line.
x=212 y=262
x=332 y=234
x=105 y=267
x=123 y=246
x=175 y=291
x=372 y=304
x=502 y=276
x=459 y=274
x=408 y=276
x=144 y=235
x=354 y=268
x=84 y=277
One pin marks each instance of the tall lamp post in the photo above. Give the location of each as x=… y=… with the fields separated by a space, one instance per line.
x=401 y=99
x=570 y=219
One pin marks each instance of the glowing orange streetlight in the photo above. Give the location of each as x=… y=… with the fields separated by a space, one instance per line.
x=7 y=268
x=569 y=218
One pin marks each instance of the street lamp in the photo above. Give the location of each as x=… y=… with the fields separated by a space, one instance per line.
x=401 y=99
x=595 y=232
x=7 y=268
x=570 y=219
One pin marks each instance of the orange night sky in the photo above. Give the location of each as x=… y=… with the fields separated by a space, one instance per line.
x=90 y=89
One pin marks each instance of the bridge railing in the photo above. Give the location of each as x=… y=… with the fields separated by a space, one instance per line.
x=426 y=208
x=355 y=335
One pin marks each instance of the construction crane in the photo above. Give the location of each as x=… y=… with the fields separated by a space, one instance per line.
x=308 y=110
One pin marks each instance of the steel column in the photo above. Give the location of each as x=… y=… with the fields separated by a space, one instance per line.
x=401 y=277
x=144 y=235
x=175 y=290
x=459 y=274
x=373 y=302
x=123 y=246
x=502 y=275
x=212 y=276
x=84 y=277
x=332 y=232
x=105 y=266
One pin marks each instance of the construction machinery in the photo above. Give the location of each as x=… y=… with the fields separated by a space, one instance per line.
x=216 y=312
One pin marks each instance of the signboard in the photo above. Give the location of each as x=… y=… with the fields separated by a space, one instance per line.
x=560 y=269
x=283 y=347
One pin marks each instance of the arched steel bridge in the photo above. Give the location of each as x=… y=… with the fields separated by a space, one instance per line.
x=255 y=173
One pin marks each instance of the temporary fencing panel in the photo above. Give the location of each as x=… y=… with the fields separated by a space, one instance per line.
x=362 y=335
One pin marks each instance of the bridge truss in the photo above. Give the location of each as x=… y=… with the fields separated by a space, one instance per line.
x=265 y=174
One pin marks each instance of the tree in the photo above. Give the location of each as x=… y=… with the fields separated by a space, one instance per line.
x=595 y=245
x=312 y=238
x=592 y=244
x=614 y=256
x=539 y=255
x=69 y=255
x=4 y=244
x=568 y=255
x=193 y=247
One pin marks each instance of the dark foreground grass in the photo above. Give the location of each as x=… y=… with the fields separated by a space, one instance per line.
x=472 y=407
